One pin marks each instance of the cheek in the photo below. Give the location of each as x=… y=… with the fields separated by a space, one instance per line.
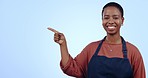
x=119 y=22
x=103 y=22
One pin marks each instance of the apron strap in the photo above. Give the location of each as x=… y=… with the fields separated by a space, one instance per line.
x=99 y=46
x=124 y=49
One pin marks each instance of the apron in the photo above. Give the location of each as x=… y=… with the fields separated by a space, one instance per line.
x=104 y=67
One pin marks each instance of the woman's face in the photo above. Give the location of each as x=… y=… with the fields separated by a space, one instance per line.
x=112 y=20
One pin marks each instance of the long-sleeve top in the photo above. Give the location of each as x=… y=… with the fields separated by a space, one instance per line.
x=77 y=67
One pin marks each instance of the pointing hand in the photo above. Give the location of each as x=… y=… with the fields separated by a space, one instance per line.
x=58 y=37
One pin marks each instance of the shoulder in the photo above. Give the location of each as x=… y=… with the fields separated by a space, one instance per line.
x=91 y=46
x=94 y=43
x=135 y=57
x=133 y=52
x=131 y=47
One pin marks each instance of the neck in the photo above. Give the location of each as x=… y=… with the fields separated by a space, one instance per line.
x=113 y=39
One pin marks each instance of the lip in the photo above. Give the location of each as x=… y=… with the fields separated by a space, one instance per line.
x=111 y=27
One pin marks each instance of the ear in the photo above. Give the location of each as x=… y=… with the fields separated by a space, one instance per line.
x=122 y=20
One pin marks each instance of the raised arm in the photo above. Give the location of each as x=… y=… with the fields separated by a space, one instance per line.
x=61 y=40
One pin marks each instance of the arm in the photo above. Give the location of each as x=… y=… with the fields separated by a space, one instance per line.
x=139 y=69
x=72 y=67
x=64 y=53
x=60 y=39
x=137 y=63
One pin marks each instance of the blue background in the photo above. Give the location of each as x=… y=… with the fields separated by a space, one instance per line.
x=27 y=49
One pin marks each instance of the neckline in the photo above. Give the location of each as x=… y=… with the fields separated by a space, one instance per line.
x=124 y=49
x=111 y=43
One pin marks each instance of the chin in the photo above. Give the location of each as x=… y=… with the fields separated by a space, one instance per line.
x=111 y=33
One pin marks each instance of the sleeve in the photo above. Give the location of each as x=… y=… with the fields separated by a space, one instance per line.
x=138 y=65
x=77 y=67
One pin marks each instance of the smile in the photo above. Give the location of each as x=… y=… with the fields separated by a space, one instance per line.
x=111 y=27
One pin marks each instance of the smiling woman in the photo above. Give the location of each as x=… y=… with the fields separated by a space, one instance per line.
x=111 y=57
x=27 y=48
x=112 y=20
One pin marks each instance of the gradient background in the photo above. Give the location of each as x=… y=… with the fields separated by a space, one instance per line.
x=27 y=49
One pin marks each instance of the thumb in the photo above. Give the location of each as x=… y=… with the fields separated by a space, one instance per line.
x=62 y=38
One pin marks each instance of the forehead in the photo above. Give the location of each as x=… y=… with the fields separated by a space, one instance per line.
x=111 y=10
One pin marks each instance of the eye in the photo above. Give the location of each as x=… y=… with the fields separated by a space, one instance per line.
x=116 y=17
x=106 y=17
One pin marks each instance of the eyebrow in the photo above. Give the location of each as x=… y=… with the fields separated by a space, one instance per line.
x=112 y=15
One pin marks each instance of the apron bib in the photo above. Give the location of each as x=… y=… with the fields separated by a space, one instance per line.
x=104 y=67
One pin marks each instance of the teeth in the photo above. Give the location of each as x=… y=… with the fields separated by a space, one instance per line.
x=111 y=27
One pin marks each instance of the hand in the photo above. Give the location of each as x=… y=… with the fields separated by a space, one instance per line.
x=58 y=37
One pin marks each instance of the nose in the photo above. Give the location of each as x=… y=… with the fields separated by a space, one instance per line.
x=110 y=21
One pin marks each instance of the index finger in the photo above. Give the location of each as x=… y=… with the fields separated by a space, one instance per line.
x=53 y=30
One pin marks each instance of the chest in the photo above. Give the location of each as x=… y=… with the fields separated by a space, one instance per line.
x=111 y=50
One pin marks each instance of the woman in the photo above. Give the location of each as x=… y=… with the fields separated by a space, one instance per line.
x=110 y=57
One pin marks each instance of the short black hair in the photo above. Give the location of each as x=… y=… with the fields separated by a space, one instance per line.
x=114 y=4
